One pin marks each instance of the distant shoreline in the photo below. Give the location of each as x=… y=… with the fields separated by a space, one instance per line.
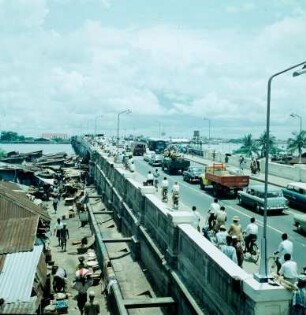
x=34 y=142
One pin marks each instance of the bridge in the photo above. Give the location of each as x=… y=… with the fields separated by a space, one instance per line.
x=189 y=273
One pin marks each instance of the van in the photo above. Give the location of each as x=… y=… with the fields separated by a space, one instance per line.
x=296 y=194
x=254 y=197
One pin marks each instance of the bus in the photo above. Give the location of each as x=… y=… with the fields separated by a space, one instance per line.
x=138 y=148
x=157 y=145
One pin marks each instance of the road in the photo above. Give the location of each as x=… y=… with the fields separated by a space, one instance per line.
x=191 y=195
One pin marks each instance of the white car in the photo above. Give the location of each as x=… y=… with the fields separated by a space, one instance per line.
x=148 y=155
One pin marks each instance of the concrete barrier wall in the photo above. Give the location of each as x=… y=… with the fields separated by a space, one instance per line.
x=180 y=261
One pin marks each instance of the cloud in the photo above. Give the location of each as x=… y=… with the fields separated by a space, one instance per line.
x=59 y=80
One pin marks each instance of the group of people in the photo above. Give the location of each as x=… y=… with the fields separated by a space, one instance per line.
x=62 y=233
x=153 y=179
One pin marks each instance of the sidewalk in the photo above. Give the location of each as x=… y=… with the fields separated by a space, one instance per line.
x=273 y=180
x=69 y=259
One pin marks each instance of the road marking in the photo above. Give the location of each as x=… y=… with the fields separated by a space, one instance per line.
x=260 y=223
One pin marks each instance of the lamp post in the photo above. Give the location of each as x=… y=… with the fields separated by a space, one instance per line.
x=208 y=127
x=96 y=119
x=263 y=268
x=126 y=111
x=300 y=118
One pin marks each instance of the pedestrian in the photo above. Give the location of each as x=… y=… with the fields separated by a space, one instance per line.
x=299 y=297
x=213 y=209
x=285 y=247
x=196 y=218
x=251 y=233
x=156 y=177
x=221 y=236
x=64 y=236
x=59 y=280
x=57 y=230
x=239 y=250
x=289 y=269
x=235 y=228
x=82 y=284
x=258 y=166
x=221 y=218
x=150 y=179
x=241 y=163
x=229 y=250
x=91 y=307
x=55 y=203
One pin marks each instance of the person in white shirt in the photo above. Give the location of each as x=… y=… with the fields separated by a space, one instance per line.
x=164 y=188
x=285 y=247
x=221 y=236
x=229 y=250
x=212 y=212
x=196 y=218
x=251 y=233
x=289 y=269
x=150 y=178
x=175 y=194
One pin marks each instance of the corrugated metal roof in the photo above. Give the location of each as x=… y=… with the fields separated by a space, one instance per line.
x=18 y=235
x=20 y=307
x=17 y=276
x=14 y=203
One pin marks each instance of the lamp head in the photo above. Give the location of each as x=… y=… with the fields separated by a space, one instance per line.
x=299 y=72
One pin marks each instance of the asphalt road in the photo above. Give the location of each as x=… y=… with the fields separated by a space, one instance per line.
x=192 y=195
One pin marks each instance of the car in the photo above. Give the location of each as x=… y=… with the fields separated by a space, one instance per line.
x=299 y=221
x=295 y=192
x=193 y=174
x=155 y=160
x=147 y=155
x=254 y=197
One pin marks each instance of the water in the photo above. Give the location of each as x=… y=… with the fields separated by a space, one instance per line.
x=30 y=147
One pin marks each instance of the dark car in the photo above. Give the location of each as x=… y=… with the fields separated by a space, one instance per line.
x=193 y=174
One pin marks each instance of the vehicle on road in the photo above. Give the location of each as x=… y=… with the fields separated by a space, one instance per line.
x=299 y=221
x=296 y=194
x=222 y=181
x=147 y=156
x=174 y=165
x=157 y=145
x=156 y=160
x=138 y=148
x=193 y=174
x=254 y=197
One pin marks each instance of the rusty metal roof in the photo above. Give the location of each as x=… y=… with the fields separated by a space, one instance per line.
x=18 y=235
x=15 y=203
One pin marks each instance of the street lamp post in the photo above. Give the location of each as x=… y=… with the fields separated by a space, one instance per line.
x=126 y=111
x=208 y=128
x=300 y=118
x=263 y=268
x=96 y=119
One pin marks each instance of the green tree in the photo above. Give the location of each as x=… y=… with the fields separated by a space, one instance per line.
x=298 y=143
x=262 y=144
x=249 y=146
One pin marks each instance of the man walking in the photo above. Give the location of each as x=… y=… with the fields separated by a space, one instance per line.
x=91 y=307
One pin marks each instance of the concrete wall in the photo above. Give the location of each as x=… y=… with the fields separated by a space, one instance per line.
x=181 y=263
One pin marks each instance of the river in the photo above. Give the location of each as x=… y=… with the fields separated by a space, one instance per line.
x=30 y=147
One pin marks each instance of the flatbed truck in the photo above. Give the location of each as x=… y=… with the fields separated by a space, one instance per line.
x=222 y=181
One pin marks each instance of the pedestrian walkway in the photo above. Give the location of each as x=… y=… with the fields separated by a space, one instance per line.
x=69 y=259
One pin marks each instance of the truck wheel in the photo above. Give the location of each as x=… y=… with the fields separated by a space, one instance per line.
x=202 y=186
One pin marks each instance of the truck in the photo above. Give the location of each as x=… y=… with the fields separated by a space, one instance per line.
x=174 y=165
x=222 y=181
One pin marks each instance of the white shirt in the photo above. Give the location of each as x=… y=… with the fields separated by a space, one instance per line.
x=150 y=176
x=196 y=219
x=285 y=247
x=251 y=228
x=289 y=269
x=176 y=188
x=230 y=252
x=214 y=208
x=221 y=237
x=164 y=183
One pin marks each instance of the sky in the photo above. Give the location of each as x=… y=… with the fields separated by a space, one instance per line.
x=73 y=66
